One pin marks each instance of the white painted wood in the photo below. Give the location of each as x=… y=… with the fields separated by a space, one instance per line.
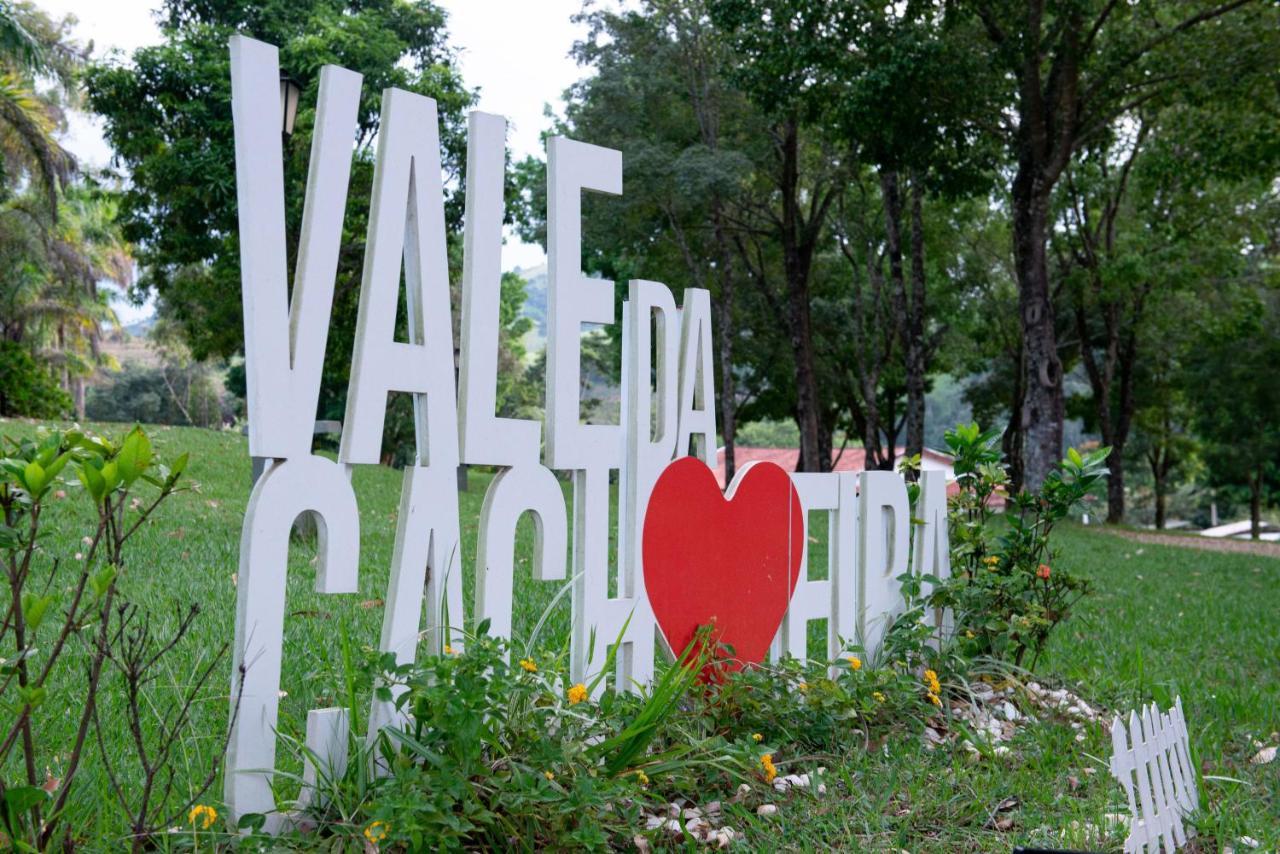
x=1182 y=745
x=830 y=598
x=572 y=300
x=697 y=379
x=1161 y=788
x=406 y=219
x=486 y=438
x=513 y=492
x=284 y=343
x=1123 y=765
x=884 y=523
x=426 y=564
x=285 y=490
x=597 y=617
x=931 y=543
x=327 y=738
x=651 y=348
x=1152 y=750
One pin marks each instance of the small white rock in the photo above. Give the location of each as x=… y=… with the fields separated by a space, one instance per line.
x=1264 y=756
x=766 y=809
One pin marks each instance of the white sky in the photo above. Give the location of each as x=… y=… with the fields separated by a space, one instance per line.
x=514 y=51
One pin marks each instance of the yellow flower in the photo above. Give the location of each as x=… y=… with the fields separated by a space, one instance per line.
x=528 y=665
x=931 y=681
x=969 y=634
x=448 y=650
x=642 y=778
x=757 y=737
x=878 y=696
x=577 y=694
x=204 y=815
x=933 y=698
x=766 y=762
x=855 y=663
x=803 y=686
x=377 y=831
x=991 y=560
x=548 y=775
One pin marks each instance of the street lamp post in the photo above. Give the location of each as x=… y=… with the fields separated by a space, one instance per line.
x=290 y=90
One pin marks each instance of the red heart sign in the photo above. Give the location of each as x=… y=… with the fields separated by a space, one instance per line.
x=726 y=561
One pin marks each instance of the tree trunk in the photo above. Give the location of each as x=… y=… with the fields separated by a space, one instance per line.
x=1159 y=473
x=914 y=344
x=724 y=346
x=795 y=261
x=1255 y=503
x=1043 y=406
x=79 y=396
x=1011 y=441
x=1115 y=487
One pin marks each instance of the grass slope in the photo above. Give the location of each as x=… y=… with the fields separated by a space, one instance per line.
x=1164 y=621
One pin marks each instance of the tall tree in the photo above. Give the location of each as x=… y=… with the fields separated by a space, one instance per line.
x=776 y=66
x=910 y=99
x=1074 y=68
x=1238 y=410
x=167 y=114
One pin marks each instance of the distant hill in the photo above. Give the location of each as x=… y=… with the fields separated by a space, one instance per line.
x=140 y=328
x=535 y=305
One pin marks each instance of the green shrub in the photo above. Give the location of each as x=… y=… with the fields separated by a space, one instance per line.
x=26 y=388
x=69 y=618
x=173 y=393
x=1007 y=589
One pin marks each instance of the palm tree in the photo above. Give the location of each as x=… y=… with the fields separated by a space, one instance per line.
x=34 y=48
x=50 y=295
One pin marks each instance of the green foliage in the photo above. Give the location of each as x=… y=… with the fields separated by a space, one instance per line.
x=1007 y=590
x=167 y=114
x=164 y=394
x=61 y=602
x=496 y=753
x=1238 y=410
x=26 y=388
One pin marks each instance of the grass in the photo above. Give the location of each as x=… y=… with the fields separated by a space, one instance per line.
x=1164 y=621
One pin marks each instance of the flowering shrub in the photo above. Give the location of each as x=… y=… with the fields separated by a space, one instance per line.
x=502 y=751
x=497 y=755
x=1007 y=589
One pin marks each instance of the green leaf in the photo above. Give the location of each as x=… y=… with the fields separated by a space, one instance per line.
x=254 y=821
x=92 y=480
x=34 y=608
x=32 y=695
x=20 y=799
x=111 y=476
x=33 y=479
x=100 y=581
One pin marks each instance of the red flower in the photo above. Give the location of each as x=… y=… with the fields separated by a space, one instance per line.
x=1043 y=571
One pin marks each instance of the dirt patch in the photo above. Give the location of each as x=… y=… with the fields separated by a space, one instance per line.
x=1205 y=544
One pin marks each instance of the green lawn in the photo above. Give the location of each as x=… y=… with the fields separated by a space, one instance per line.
x=1164 y=621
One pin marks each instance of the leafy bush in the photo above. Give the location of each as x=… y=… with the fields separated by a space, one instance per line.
x=68 y=617
x=1007 y=589
x=496 y=749
x=172 y=393
x=26 y=388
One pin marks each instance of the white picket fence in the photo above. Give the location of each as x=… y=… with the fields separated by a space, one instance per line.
x=1153 y=749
